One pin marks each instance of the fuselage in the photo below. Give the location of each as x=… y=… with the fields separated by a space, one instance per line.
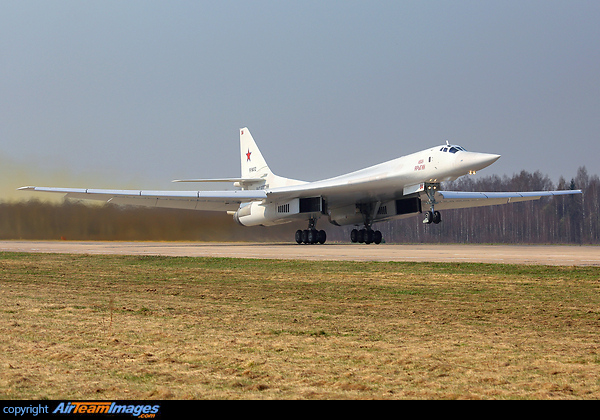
x=378 y=186
x=389 y=179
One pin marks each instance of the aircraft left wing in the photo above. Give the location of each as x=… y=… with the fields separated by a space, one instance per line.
x=191 y=200
x=445 y=200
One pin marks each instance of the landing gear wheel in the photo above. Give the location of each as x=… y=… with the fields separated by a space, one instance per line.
x=305 y=236
x=310 y=235
x=428 y=218
x=321 y=237
x=360 y=237
x=432 y=217
x=368 y=235
x=377 y=237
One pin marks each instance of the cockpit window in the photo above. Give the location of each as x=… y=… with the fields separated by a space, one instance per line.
x=453 y=149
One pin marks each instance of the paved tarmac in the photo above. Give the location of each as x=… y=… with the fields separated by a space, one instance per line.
x=504 y=254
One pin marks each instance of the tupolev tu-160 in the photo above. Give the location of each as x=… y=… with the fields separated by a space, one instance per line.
x=399 y=188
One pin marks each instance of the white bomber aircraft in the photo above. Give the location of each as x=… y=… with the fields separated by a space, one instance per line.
x=399 y=188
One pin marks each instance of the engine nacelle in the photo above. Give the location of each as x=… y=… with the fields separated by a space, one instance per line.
x=251 y=214
x=268 y=214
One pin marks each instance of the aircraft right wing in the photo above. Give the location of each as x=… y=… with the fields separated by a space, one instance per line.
x=191 y=200
x=446 y=200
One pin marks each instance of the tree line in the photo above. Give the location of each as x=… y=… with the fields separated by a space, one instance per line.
x=563 y=219
x=572 y=219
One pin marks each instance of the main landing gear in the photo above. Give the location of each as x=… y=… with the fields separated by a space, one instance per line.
x=311 y=235
x=366 y=236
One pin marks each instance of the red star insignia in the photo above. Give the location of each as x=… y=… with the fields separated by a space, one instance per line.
x=248 y=155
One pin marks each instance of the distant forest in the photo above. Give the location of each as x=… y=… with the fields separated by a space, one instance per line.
x=563 y=220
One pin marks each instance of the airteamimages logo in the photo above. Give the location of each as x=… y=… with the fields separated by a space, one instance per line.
x=142 y=411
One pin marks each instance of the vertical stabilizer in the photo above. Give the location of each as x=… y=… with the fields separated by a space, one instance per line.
x=254 y=166
x=253 y=162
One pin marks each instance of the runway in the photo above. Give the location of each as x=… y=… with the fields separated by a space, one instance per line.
x=503 y=254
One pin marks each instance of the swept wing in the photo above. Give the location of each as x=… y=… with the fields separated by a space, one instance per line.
x=446 y=200
x=191 y=200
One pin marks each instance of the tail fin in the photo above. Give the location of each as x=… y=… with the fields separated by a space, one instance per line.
x=253 y=162
x=255 y=166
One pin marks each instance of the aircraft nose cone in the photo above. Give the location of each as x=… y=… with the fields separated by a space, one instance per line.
x=476 y=161
x=482 y=160
x=491 y=158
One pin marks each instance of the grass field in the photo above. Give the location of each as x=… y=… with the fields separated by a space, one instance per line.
x=131 y=327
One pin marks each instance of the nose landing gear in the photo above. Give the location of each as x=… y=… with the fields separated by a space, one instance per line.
x=432 y=216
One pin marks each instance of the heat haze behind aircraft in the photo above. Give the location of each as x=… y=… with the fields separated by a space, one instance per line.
x=399 y=188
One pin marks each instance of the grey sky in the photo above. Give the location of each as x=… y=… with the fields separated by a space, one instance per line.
x=137 y=93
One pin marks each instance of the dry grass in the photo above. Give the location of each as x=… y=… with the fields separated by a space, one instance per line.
x=128 y=327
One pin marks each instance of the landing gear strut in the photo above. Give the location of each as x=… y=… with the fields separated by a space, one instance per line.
x=311 y=235
x=432 y=216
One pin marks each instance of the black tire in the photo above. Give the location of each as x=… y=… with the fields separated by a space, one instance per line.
x=428 y=217
x=368 y=236
x=322 y=237
x=298 y=236
x=305 y=236
x=312 y=236
x=377 y=237
x=360 y=238
x=354 y=236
